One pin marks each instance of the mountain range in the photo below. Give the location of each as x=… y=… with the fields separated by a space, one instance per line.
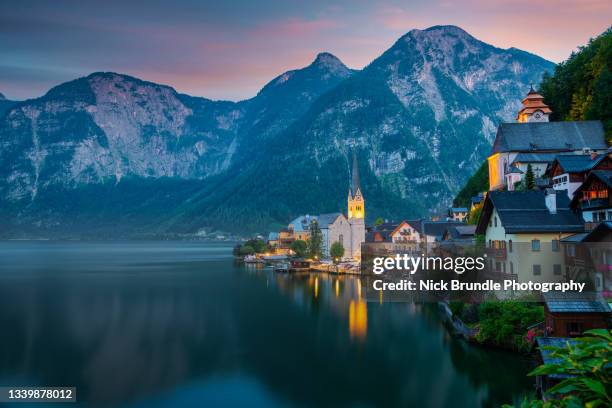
x=109 y=155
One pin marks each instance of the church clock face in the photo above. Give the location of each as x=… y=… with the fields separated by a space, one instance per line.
x=538 y=116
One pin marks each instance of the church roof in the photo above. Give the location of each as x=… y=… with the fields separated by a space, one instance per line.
x=326 y=219
x=549 y=136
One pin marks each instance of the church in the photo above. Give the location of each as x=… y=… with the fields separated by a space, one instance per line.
x=534 y=140
x=349 y=230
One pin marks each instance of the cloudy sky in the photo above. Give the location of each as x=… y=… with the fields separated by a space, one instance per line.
x=230 y=49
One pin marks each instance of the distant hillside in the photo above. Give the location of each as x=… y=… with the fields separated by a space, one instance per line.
x=581 y=87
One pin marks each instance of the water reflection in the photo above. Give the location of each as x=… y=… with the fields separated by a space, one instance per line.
x=159 y=324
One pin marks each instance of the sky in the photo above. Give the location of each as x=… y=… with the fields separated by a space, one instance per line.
x=229 y=49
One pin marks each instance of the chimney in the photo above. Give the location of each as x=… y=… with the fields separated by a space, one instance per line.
x=593 y=155
x=550 y=198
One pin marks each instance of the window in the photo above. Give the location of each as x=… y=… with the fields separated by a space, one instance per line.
x=555 y=245
x=490 y=222
x=557 y=269
x=341 y=239
x=511 y=268
x=495 y=221
x=504 y=267
x=537 y=270
x=510 y=246
x=490 y=244
x=497 y=266
x=535 y=245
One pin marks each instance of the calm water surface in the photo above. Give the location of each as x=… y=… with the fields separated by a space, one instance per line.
x=178 y=324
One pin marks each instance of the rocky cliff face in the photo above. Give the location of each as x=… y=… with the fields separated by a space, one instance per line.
x=422 y=117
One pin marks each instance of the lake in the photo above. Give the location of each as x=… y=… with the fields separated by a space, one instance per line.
x=179 y=324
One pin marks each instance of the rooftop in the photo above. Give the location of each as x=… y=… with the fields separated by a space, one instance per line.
x=526 y=211
x=574 y=302
x=578 y=163
x=549 y=136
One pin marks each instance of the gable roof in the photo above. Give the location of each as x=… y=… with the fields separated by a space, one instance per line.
x=416 y=225
x=461 y=231
x=526 y=211
x=549 y=136
x=534 y=158
x=575 y=302
x=459 y=209
x=438 y=228
x=302 y=223
x=578 y=163
x=601 y=233
x=326 y=219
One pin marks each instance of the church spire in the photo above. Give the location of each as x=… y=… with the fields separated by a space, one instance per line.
x=356 y=208
x=355 y=187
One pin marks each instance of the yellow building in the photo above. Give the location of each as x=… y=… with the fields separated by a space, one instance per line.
x=523 y=230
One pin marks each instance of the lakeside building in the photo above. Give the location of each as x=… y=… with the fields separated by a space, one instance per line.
x=535 y=141
x=570 y=314
x=523 y=230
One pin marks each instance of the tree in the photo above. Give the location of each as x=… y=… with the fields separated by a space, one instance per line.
x=300 y=248
x=315 y=242
x=475 y=214
x=246 y=250
x=581 y=86
x=586 y=363
x=478 y=183
x=258 y=245
x=529 y=178
x=336 y=251
x=379 y=221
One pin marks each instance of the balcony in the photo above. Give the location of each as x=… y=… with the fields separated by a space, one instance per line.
x=594 y=203
x=497 y=253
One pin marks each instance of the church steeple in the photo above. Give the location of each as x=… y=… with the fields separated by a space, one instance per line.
x=356 y=204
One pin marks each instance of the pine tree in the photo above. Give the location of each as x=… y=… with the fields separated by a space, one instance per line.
x=315 y=242
x=529 y=178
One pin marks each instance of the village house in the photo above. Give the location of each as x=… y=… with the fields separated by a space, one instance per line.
x=395 y=237
x=458 y=214
x=535 y=141
x=568 y=171
x=593 y=199
x=301 y=227
x=523 y=230
x=432 y=232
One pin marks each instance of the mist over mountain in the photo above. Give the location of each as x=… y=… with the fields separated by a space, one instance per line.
x=112 y=155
